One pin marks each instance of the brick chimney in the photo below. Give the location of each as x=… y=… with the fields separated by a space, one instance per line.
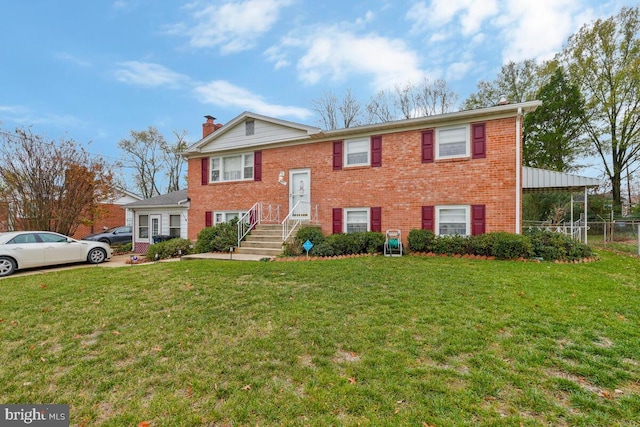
x=209 y=127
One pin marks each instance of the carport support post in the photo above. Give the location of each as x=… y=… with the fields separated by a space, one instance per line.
x=585 y=216
x=638 y=239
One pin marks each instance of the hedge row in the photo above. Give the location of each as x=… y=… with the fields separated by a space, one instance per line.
x=542 y=244
x=335 y=244
x=169 y=249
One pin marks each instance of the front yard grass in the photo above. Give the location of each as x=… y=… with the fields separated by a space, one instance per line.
x=366 y=341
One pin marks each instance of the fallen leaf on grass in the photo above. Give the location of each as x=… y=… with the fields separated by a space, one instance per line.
x=144 y=424
x=43 y=286
x=247 y=387
x=352 y=380
x=157 y=349
x=115 y=333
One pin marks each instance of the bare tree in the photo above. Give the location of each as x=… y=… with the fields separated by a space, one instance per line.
x=327 y=107
x=50 y=186
x=350 y=110
x=436 y=98
x=145 y=154
x=378 y=108
x=174 y=160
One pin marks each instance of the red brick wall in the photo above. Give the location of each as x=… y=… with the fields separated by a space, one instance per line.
x=111 y=216
x=401 y=186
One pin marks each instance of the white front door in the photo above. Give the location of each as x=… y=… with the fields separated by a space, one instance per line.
x=300 y=194
x=155 y=227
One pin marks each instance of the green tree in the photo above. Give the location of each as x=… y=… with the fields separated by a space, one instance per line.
x=553 y=133
x=604 y=61
x=516 y=82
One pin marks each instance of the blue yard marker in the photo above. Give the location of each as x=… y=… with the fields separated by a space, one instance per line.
x=307 y=247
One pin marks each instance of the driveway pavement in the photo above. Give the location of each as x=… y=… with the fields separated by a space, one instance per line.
x=124 y=260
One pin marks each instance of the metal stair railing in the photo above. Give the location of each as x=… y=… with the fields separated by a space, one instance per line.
x=259 y=212
x=293 y=219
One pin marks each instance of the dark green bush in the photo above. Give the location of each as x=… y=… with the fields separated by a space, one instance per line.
x=122 y=248
x=551 y=246
x=374 y=242
x=454 y=244
x=421 y=240
x=312 y=234
x=218 y=238
x=323 y=249
x=169 y=248
x=510 y=246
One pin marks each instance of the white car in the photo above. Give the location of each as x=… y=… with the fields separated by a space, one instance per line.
x=28 y=249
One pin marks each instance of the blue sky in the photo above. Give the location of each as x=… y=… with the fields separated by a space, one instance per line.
x=94 y=70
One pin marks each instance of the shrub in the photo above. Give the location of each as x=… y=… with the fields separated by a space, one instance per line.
x=374 y=242
x=122 y=248
x=510 y=246
x=421 y=240
x=323 y=249
x=552 y=246
x=218 y=238
x=169 y=248
x=451 y=244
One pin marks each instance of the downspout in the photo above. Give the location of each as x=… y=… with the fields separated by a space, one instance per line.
x=518 y=171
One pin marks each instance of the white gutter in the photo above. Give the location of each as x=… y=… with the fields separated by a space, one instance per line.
x=518 y=171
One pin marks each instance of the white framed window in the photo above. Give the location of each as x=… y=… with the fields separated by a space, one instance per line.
x=174 y=225
x=356 y=219
x=232 y=168
x=226 y=216
x=452 y=142
x=357 y=152
x=143 y=226
x=453 y=219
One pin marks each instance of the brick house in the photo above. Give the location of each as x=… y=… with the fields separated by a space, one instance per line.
x=454 y=173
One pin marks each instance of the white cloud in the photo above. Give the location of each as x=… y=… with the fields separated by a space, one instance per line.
x=233 y=26
x=148 y=74
x=525 y=37
x=338 y=54
x=225 y=94
x=440 y=13
x=67 y=57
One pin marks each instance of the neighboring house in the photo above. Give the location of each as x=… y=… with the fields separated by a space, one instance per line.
x=164 y=215
x=112 y=214
x=454 y=173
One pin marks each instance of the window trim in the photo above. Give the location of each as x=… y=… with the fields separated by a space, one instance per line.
x=178 y=227
x=225 y=213
x=467 y=133
x=243 y=167
x=437 y=221
x=347 y=142
x=345 y=212
x=140 y=226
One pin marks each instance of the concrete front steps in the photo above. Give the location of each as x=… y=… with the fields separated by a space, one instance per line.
x=264 y=239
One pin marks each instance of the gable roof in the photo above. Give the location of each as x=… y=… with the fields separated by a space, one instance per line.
x=276 y=131
x=169 y=200
x=291 y=131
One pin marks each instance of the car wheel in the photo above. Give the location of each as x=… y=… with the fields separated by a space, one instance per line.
x=96 y=256
x=107 y=241
x=7 y=266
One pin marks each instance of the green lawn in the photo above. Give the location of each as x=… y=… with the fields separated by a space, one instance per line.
x=415 y=341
